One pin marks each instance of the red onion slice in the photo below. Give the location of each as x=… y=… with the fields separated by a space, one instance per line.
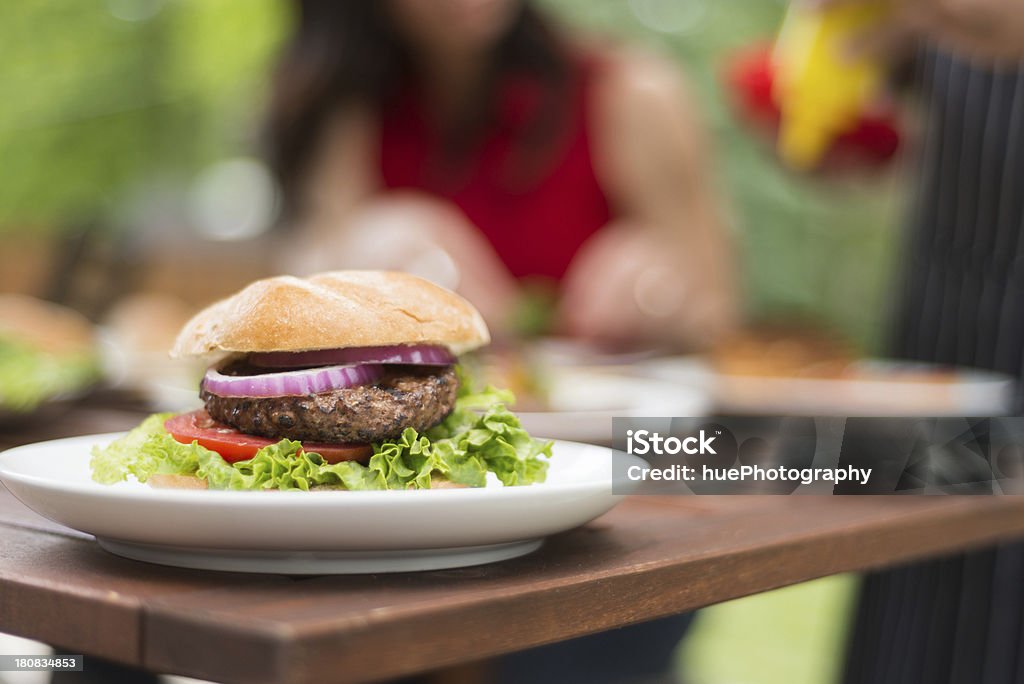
x=416 y=354
x=297 y=383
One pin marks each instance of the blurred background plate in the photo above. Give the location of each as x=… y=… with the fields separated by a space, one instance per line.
x=581 y=402
x=870 y=387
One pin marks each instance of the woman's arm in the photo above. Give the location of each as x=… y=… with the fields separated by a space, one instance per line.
x=340 y=177
x=663 y=272
x=986 y=31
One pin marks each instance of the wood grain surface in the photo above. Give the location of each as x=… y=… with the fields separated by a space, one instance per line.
x=650 y=557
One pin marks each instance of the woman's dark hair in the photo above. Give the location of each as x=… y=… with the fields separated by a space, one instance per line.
x=345 y=51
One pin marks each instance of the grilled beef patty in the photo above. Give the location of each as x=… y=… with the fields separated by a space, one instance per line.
x=407 y=396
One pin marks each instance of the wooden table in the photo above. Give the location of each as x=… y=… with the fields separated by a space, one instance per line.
x=650 y=557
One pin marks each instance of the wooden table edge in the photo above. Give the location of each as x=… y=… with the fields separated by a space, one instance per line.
x=304 y=653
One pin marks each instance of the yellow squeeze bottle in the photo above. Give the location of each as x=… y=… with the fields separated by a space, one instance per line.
x=820 y=88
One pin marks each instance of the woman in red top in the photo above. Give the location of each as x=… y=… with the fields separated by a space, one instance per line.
x=467 y=141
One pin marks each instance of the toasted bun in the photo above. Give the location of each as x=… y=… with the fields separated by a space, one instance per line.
x=331 y=311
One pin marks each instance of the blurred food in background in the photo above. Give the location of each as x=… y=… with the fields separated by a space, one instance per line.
x=824 y=104
x=784 y=350
x=517 y=368
x=870 y=140
x=802 y=350
x=147 y=323
x=799 y=368
x=822 y=87
x=140 y=329
x=47 y=353
x=534 y=314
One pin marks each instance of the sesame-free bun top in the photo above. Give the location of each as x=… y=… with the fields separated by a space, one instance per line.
x=331 y=311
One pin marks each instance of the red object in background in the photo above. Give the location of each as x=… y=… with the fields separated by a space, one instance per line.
x=536 y=226
x=750 y=77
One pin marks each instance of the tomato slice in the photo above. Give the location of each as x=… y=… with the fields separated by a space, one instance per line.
x=335 y=453
x=232 y=445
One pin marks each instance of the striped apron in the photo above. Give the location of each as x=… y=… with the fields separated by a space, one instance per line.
x=957 y=619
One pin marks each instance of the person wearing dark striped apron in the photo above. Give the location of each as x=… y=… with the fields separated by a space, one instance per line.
x=961 y=302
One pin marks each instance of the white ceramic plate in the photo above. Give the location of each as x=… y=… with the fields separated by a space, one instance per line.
x=310 y=532
x=883 y=388
x=583 y=402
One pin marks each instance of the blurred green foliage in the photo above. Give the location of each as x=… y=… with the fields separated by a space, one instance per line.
x=794 y=635
x=104 y=97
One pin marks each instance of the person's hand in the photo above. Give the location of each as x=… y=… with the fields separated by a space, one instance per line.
x=425 y=236
x=620 y=290
x=985 y=29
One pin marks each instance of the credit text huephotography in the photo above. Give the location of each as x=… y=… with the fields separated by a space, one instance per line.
x=823 y=455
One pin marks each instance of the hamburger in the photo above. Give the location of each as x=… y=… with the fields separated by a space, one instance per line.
x=343 y=380
x=47 y=352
